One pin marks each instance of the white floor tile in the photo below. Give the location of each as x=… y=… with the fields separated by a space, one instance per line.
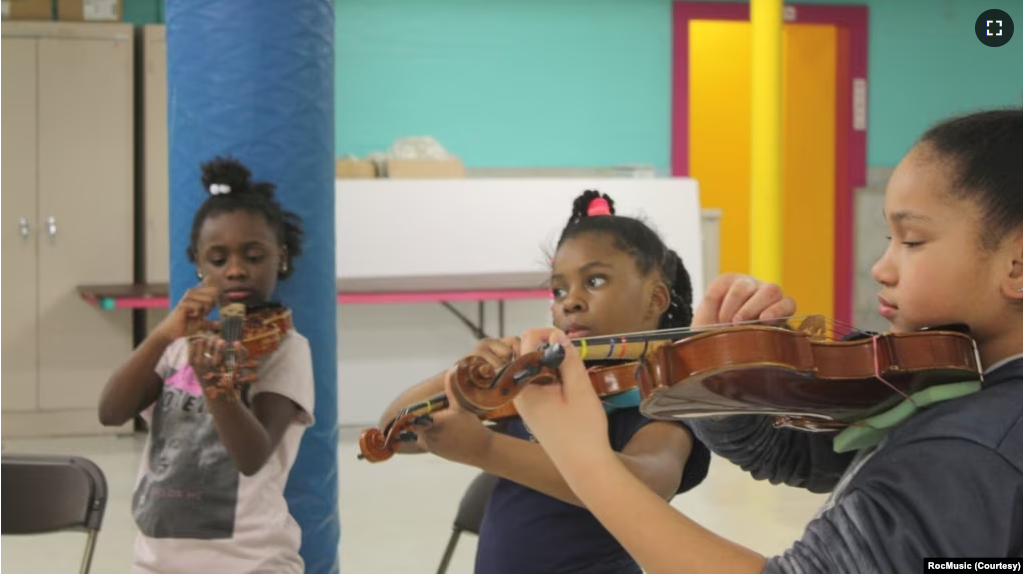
x=395 y=516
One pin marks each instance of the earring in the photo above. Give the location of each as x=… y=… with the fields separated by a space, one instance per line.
x=284 y=267
x=199 y=274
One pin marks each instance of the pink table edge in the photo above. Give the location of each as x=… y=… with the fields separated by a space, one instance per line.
x=162 y=302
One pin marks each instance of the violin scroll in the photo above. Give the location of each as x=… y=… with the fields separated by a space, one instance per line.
x=479 y=389
x=475 y=372
x=373 y=446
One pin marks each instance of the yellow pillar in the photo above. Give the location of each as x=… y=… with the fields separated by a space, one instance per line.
x=766 y=158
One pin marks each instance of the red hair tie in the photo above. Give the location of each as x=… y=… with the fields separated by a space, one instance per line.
x=598 y=206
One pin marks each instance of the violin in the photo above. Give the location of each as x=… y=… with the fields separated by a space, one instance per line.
x=260 y=330
x=807 y=382
x=488 y=394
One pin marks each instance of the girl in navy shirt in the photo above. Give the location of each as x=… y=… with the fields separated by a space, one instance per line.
x=610 y=274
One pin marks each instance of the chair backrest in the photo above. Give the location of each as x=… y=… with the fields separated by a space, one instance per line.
x=474 y=503
x=51 y=494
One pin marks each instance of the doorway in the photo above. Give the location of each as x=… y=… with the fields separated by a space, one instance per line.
x=824 y=53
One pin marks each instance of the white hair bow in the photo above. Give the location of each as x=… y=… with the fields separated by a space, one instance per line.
x=219 y=188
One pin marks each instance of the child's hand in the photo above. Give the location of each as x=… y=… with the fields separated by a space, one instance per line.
x=566 y=418
x=455 y=433
x=208 y=357
x=190 y=314
x=497 y=352
x=733 y=298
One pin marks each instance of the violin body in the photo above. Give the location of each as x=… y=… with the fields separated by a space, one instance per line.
x=264 y=327
x=809 y=384
x=260 y=330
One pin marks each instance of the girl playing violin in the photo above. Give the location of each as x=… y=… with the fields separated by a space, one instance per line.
x=610 y=274
x=210 y=492
x=945 y=483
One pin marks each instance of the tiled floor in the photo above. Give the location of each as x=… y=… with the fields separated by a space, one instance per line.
x=420 y=494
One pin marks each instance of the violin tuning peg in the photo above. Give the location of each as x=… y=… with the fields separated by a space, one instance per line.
x=423 y=420
x=407 y=436
x=553 y=356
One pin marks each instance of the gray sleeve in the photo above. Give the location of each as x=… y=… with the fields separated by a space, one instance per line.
x=939 y=499
x=781 y=456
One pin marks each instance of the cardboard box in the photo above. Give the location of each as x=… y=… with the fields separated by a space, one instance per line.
x=90 y=10
x=425 y=169
x=27 y=10
x=355 y=169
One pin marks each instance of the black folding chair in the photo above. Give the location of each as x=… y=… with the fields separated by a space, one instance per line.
x=47 y=494
x=470 y=514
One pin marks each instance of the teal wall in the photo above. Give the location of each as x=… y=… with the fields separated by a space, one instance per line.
x=507 y=82
x=926 y=64
x=588 y=82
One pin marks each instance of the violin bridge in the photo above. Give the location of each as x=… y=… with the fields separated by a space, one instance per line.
x=816 y=326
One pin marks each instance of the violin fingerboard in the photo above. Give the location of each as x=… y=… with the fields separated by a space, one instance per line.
x=232 y=317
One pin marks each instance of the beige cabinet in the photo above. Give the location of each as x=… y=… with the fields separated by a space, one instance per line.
x=67 y=191
x=155 y=158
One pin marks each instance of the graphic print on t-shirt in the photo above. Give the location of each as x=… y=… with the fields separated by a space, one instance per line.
x=190 y=488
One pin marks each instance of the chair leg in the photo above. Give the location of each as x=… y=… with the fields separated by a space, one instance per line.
x=449 y=551
x=90 y=547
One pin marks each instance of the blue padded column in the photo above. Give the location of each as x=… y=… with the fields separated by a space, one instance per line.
x=256 y=80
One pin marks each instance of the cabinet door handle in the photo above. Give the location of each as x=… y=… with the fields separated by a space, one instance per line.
x=23 y=227
x=51 y=226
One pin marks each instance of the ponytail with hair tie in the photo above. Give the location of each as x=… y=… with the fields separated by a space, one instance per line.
x=593 y=212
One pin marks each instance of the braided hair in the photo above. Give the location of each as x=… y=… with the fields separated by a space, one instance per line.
x=229 y=183
x=982 y=153
x=634 y=237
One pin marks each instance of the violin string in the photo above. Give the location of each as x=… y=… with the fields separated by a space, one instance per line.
x=847 y=328
x=413 y=411
x=668 y=334
x=877 y=372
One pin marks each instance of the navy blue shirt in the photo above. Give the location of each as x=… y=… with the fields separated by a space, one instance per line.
x=527 y=532
x=948 y=483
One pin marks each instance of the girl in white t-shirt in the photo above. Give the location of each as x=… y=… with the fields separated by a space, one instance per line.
x=210 y=490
